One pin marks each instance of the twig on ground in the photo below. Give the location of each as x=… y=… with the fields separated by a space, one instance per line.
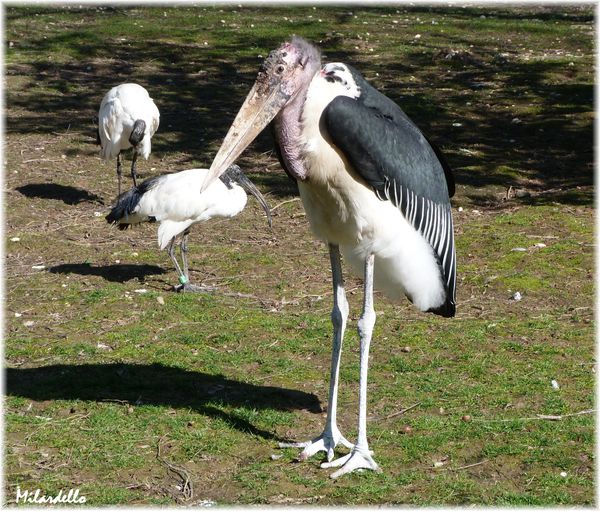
x=395 y=414
x=186 y=483
x=284 y=202
x=538 y=417
x=40 y=159
x=464 y=467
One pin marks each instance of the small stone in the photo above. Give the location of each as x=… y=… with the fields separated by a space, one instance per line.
x=160 y=300
x=555 y=385
x=418 y=36
x=516 y=120
x=517 y=296
x=28 y=323
x=38 y=267
x=563 y=474
x=18 y=314
x=438 y=464
x=102 y=346
x=540 y=245
x=406 y=430
x=276 y=456
x=140 y=291
x=518 y=249
x=466 y=418
x=406 y=349
x=15 y=239
x=97 y=213
x=442 y=411
x=457 y=124
x=460 y=209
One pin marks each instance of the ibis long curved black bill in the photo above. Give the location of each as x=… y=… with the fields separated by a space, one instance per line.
x=248 y=185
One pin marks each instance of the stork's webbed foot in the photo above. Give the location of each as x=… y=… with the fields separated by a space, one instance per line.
x=326 y=441
x=358 y=459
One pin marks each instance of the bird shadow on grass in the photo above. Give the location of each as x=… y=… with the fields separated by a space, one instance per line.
x=68 y=194
x=157 y=385
x=110 y=272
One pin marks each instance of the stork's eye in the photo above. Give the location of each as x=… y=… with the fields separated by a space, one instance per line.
x=279 y=69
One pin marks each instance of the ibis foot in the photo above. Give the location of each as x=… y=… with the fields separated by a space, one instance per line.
x=358 y=459
x=194 y=288
x=327 y=442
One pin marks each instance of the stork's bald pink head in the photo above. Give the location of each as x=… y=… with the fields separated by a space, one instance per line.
x=286 y=72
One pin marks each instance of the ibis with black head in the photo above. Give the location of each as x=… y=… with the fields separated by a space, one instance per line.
x=176 y=203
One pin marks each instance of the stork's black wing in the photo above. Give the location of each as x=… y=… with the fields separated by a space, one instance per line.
x=444 y=163
x=392 y=155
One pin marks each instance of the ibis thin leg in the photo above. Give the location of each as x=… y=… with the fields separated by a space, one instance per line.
x=360 y=457
x=119 y=172
x=184 y=274
x=184 y=250
x=331 y=435
x=133 y=163
x=171 y=252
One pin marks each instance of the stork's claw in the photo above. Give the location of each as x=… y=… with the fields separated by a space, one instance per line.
x=327 y=442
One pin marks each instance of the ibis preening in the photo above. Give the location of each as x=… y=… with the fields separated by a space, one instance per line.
x=374 y=189
x=175 y=202
x=127 y=118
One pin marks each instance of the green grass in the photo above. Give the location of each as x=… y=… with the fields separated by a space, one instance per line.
x=106 y=374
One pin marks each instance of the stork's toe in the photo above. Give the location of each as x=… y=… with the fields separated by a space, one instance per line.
x=327 y=441
x=358 y=459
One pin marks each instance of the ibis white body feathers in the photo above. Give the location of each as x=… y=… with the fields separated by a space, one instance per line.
x=120 y=108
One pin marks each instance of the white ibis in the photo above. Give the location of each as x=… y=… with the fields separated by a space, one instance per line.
x=175 y=202
x=127 y=118
x=373 y=189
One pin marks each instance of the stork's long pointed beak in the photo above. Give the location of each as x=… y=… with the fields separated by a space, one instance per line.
x=261 y=105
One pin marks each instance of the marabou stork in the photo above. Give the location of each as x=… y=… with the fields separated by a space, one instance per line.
x=175 y=202
x=373 y=188
x=127 y=118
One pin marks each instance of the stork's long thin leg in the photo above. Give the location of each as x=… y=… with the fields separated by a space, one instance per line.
x=360 y=456
x=119 y=172
x=331 y=436
x=133 y=162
